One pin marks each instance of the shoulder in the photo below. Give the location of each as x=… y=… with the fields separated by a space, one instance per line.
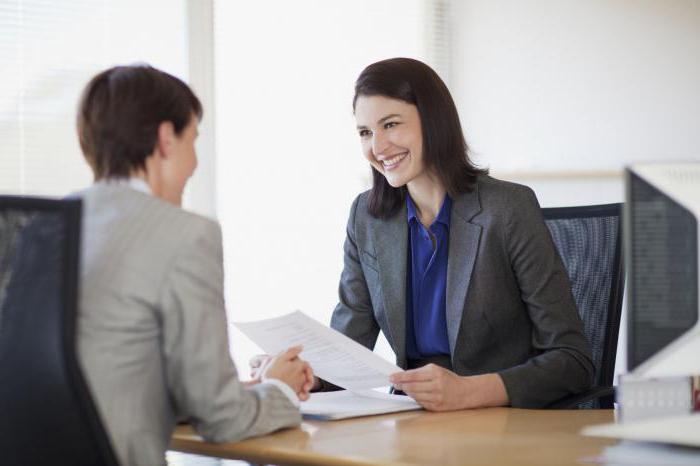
x=362 y=227
x=504 y=201
x=359 y=210
x=496 y=203
x=513 y=210
x=361 y=203
x=114 y=210
x=504 y=195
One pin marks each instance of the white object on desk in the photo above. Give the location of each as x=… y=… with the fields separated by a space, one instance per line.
x=643 y=398
x=679 y=430
x=629 y=453
x=345 y=404
x=333 y=356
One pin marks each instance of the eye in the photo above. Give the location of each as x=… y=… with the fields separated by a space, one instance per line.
x=364 y=133
x=390 y=124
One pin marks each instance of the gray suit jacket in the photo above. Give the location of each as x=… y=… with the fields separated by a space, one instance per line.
x=509 y=304
x=152 y=335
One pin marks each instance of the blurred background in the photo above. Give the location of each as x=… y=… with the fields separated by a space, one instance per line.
x=560 y=95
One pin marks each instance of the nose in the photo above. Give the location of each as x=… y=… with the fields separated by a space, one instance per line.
x=379 y=143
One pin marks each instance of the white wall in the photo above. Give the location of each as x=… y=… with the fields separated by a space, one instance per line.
x=573 y=85
x=562 y=94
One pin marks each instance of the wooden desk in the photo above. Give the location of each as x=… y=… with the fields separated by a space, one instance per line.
x=495 y=436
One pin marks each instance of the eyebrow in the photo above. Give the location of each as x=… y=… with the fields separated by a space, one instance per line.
x=381 y=120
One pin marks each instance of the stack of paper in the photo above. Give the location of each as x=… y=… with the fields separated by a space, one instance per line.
x=347 y=403
x=336 y=359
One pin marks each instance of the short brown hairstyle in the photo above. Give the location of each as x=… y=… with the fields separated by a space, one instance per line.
x=119 y=114
x=444 y=149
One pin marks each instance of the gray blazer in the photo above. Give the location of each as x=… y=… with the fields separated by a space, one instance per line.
x=509 y=304
x=152 y=336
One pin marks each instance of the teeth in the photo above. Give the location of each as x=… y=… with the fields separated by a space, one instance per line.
x=394 y=160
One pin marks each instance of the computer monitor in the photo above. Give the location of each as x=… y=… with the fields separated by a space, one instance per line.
x=661 y=252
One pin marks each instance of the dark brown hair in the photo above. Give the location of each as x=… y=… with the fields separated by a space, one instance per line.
x=445 y=151
x=119 y=114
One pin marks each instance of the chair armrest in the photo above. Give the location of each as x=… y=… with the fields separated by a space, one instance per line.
x=605 y=394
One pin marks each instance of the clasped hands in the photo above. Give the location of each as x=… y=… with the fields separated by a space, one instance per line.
x=286 y=367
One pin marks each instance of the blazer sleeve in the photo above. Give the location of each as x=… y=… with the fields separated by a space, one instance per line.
x=353 y=316
x=563 y=365
x=201 y=377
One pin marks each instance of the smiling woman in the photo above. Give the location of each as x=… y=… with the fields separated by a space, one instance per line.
x=434 y=133
x=456 y=268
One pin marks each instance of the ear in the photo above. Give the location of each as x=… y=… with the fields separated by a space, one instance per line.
x=166 y=138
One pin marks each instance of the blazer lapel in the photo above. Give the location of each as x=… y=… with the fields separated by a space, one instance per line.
x=391 y=246
x=463 y=247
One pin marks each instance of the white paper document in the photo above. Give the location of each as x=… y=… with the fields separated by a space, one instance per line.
x=333 y=356
x=678 y=430
x=345 y=404
x=336 y=359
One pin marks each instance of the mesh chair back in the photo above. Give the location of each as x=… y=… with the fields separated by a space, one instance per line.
x=46 y=413
x=588 y=239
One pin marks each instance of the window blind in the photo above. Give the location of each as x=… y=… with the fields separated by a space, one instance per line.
x=49 y=50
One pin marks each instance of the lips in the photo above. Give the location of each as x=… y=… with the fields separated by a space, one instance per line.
x=393 y=162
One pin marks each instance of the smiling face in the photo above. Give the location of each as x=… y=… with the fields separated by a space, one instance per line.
x=392 y=139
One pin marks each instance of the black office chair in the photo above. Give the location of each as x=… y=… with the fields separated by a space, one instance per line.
x=589 y=241
x=47 y=415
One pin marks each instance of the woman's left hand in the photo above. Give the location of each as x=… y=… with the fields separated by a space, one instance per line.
x=438 y=389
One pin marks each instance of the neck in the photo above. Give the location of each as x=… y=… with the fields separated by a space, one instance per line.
x=427 y=194
x=152 y=181
x=153 y=176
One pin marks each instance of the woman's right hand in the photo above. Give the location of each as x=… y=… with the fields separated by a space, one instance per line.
x=288 y=368
x=259 y=363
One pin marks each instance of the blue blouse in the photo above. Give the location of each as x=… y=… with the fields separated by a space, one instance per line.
x=426 y=324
